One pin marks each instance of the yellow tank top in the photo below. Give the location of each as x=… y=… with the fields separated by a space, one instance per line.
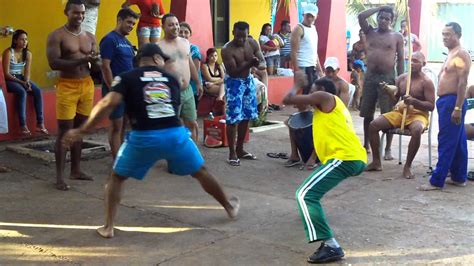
x=334 y=136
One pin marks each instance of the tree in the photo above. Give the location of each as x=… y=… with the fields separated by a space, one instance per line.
x=356 y=6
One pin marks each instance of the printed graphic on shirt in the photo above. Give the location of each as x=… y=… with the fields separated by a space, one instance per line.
x=157 y=95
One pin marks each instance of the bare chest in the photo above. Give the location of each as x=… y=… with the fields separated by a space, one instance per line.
x=177 y=54
x=76 y=45
x=243 y=54
x=416 y=88
x=381 y=42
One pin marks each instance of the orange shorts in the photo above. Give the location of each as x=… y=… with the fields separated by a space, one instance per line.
x=74 y=96
x=395 y=118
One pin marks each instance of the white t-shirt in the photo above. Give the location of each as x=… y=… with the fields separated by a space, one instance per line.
x=263 y=40
x=413 y=38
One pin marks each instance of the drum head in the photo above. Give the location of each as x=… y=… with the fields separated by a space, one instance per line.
x=301 y=120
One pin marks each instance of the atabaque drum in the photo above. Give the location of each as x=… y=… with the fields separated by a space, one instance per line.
x=302 y=126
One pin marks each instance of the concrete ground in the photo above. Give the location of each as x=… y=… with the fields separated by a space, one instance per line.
x=378 y=218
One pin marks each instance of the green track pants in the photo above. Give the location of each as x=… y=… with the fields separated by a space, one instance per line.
x=309 y=194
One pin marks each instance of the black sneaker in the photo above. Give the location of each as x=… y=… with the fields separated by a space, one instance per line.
x=325 y=254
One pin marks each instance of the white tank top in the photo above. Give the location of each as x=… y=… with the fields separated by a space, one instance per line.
x=308 y=52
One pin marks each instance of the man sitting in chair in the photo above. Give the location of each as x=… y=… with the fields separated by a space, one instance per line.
x=420 y=102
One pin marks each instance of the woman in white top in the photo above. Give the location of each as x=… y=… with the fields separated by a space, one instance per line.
x=16 y=68
x=271 y=48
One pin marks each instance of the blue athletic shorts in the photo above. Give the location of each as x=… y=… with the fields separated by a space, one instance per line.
x=119 y=111
x=241 y=99
x=143 y=148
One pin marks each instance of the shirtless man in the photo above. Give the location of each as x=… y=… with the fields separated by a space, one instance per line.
x=420 y=101
x=451 y=106
x=331 y=69
x=239 y=56
x=382 y=46
x=72 y=51
x=181 y=65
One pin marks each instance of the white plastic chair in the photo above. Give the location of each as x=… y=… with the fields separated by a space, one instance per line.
x=406 y=132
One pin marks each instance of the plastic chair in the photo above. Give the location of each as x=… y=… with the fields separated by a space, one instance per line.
x=406 y=132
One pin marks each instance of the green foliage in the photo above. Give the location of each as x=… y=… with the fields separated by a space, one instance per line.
x=357 y=6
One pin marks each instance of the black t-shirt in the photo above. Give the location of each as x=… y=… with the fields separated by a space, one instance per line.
x=151 y=97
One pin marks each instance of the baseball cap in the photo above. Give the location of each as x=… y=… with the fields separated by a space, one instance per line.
x=310 y=9
x=332 y=62
x=151 y=49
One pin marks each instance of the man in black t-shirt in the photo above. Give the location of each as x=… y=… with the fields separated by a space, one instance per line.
x=151 y=97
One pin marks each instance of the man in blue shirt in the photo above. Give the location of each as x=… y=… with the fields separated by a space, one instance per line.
x=117 y=57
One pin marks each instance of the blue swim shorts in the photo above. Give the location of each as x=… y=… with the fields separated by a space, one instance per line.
x=143 y=148
x=241 y=99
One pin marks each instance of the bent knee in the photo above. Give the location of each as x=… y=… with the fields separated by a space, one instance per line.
x=374 y=126
x=200 y=172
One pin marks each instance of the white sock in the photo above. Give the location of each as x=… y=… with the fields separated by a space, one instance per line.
x=332 y=243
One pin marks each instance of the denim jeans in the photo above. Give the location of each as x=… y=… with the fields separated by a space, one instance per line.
x=21 y=93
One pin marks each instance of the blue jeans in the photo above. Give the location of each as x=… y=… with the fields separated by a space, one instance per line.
x=21 y=93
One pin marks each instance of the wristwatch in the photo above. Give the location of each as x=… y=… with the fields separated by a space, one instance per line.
x=457 y=109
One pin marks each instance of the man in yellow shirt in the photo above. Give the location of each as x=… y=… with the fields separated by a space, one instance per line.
x=341 y=154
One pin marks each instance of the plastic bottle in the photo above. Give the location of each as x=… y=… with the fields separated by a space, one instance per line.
x=210 y=116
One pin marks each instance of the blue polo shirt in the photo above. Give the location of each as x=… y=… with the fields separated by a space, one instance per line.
x=119 y=51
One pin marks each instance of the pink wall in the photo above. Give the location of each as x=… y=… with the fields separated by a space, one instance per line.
x=420 y=12
x=331 y=26
x=196 y=13
x=286 y=13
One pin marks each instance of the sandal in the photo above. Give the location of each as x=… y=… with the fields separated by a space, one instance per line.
x=291 y=163
x=280 y=155
x=25 y=132
x=42 y=130
x=248 y=156
x=233 y=162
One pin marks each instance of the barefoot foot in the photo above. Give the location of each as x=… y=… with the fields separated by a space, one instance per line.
x=428 y=187
x=81 y=176
x=62 y=186
x=407 y=173
x=234 y=209
x=373 y=166
x=388 y=155
x=105 y=232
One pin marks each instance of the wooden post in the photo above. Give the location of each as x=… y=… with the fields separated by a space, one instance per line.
x=410 y=51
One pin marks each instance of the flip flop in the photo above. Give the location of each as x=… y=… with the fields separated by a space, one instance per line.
x=25 y=133
x=248 y=156
x=291 y=163
x=42 y=130
x=280 y=155
x=233 y=162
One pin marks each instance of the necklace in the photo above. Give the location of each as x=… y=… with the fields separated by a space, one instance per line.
x=72 y=33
